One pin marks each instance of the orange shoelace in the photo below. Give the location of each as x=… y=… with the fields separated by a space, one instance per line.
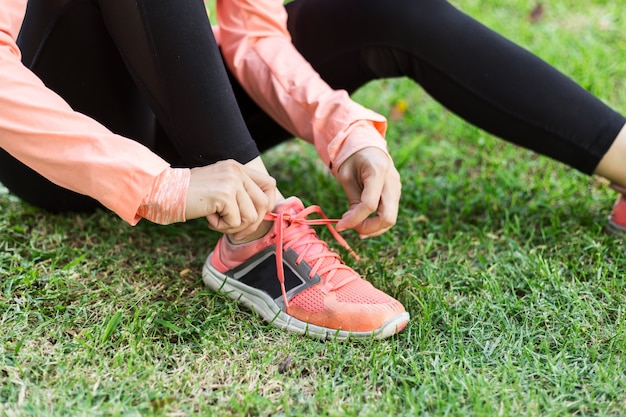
x=290 y=234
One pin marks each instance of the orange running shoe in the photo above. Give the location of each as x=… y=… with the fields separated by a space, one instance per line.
x=617 y=219
x=305 y=287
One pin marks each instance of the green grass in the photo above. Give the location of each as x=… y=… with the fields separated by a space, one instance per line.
x=517 y=295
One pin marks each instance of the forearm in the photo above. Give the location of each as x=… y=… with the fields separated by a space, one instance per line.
x=70 y=149
x=258 y=49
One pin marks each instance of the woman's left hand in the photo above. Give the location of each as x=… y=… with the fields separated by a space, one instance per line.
x=372 y=185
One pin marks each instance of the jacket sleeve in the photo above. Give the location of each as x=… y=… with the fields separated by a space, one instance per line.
x=257 y=47
x=70 y=149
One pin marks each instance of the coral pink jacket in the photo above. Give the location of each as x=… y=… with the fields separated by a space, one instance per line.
x=40 y=129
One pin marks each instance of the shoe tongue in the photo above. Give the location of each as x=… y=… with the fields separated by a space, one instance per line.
x=291 y=205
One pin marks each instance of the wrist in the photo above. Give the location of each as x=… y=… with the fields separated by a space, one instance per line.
x=363 y=135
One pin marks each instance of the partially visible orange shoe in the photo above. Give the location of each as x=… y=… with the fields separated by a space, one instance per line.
x=617 y=219
x=294 y=281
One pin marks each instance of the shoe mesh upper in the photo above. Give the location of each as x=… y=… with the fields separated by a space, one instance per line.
x=311 y=300
x=362 y=292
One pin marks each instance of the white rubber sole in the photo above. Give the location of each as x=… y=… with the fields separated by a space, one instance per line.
x=265 y=306
x=615 y=228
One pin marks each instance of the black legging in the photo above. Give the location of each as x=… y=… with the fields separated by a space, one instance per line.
x=150 y=70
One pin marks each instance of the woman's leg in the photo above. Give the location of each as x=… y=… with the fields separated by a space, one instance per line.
x=170 y=51
x=470 y=69
x=613 y=165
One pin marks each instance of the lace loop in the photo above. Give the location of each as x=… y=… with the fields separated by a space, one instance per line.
x=288 y=236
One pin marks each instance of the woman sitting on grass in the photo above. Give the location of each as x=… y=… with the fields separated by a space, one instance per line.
x=128 y=105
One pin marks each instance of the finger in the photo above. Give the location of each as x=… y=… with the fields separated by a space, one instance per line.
x=227 y=221
x=224 y=217
x=387 y=213
x=376 y=225
x=234 y=214
x=254 y=195
x=367 y=203
x=253 y=219
x=260 y=198
x=267 y=185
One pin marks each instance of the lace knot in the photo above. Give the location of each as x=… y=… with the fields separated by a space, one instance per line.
x=290 y=234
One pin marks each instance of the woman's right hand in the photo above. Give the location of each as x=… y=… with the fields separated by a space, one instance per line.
x=233 y=197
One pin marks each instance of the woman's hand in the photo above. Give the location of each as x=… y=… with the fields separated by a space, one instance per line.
x=233 y=197
x=372 y=185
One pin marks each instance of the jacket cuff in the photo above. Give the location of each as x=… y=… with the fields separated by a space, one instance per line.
x=360 y=135
x=166 y=201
